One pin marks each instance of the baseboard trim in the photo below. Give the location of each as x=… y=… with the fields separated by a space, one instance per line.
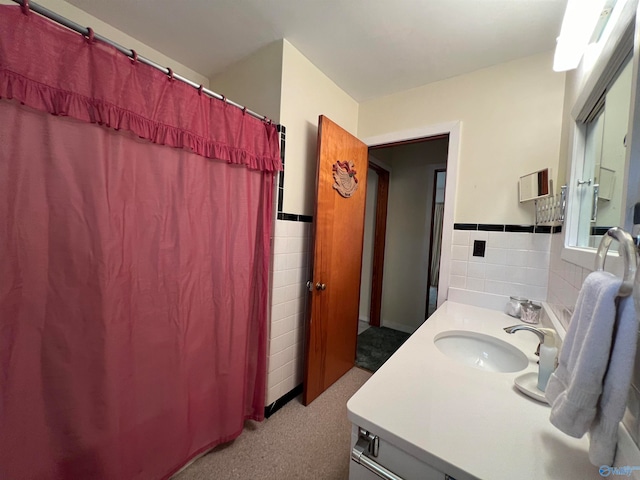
x=399 y=326
x=282 y=401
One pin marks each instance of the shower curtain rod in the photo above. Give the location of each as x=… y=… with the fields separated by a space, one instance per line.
x=45 y=12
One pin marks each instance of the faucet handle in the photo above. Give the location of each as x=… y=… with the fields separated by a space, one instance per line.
x=538 y=331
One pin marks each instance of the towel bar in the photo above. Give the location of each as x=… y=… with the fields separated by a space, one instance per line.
x=628 y=253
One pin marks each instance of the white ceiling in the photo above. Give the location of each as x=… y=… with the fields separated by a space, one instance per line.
x=369 y=48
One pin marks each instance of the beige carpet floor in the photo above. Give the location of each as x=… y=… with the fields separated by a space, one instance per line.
x=296 y=442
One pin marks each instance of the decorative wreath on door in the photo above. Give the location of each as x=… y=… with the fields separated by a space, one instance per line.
x=345 y=179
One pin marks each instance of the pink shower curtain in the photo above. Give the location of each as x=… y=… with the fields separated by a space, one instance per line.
x=133 y=275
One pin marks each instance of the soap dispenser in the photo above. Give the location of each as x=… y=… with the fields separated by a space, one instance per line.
x=548 y=357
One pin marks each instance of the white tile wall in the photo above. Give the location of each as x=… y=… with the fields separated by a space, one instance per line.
x=290 y=272
x=514 y=263
x=565 y=281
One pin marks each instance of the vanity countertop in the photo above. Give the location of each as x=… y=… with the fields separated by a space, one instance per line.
x=469 y=423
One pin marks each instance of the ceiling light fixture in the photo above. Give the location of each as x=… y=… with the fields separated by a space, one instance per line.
x=580 y=19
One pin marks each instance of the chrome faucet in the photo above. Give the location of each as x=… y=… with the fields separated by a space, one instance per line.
x=515 y=328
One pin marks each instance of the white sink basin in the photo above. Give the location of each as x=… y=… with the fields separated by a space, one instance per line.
x=481 y=351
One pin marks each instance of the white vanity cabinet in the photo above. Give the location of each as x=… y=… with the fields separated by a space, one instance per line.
x=436 y=416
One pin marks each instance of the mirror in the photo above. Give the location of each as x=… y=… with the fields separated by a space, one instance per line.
x=603 y=138
x=534 y=185
x=599 y=191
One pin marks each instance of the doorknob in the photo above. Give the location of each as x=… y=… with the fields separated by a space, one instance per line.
x=320 y=286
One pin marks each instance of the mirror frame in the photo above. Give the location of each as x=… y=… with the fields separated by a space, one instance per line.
x=621 y=36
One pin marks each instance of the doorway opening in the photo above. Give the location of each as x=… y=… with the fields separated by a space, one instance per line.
x=402 y=243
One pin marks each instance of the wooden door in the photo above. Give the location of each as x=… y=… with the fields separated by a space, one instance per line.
x=332 y=326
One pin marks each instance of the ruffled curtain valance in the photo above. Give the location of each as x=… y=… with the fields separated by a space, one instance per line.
x=52 y=69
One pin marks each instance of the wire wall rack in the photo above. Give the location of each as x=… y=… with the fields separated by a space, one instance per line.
x=550 y=210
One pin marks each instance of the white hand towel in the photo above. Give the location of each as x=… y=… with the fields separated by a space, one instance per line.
x=575 y=389
x=615 y=391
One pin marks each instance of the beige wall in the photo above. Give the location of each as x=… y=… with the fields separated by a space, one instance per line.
x=406 y=254
x=255 y=81
x=511 y=118
x=79 y=16
x=366 y=276
x=281 y=83
x=306 y=94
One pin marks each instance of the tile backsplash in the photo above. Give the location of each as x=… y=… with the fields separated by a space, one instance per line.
x=290 y=272
x=565 y=281
x=514 y=263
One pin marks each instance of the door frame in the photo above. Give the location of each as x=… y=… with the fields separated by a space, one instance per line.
x=453 y=129
x=433 y=209
x=379 y=237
